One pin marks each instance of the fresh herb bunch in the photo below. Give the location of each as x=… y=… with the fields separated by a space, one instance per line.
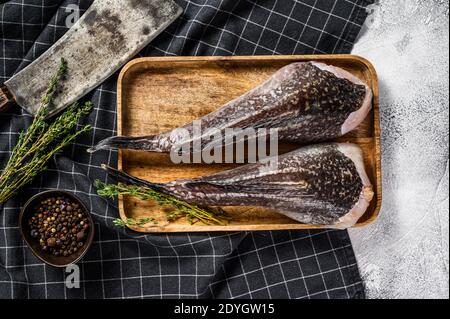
x=41 y=141
x=193 y=213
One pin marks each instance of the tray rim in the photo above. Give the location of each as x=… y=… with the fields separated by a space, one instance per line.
x=261 y=227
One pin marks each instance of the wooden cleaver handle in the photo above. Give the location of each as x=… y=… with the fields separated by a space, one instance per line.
x=6 y=98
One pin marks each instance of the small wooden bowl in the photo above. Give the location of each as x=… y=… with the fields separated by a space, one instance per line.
x=27 y=211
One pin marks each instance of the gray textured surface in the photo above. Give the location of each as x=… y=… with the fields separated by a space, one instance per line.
x=405 y=253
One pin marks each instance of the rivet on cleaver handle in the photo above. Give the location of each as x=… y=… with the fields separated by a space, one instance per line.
x=104 y=39
x=6 y=99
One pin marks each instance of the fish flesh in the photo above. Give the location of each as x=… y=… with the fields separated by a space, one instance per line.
x=323 y=184
x=303 y=102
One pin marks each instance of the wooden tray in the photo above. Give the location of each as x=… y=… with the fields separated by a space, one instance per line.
x=160 y=93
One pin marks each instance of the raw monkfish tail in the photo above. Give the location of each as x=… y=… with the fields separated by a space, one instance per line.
x=302 y=102
x=323 y=184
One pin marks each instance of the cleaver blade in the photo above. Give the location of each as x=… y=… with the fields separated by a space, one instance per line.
x=103 y=40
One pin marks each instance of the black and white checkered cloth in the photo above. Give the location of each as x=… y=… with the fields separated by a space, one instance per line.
x=123 y=264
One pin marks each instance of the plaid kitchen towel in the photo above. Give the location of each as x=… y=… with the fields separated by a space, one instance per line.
x=124 y=264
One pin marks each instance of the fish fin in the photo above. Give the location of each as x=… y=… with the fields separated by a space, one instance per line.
x=121 y=142
x=121 y=176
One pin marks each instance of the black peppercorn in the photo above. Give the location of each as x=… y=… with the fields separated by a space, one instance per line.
x=51 y=242
x=60 y=225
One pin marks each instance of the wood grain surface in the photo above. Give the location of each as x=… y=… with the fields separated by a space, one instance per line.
x=161 y=93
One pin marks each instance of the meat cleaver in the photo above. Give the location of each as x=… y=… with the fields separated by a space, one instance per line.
x=104 y=39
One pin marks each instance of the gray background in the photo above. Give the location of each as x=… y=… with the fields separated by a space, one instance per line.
x=405 y=253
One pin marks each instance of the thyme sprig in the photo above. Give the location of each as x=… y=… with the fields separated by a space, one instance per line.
x=141 y=222
x=192 y=212
x=42 y=140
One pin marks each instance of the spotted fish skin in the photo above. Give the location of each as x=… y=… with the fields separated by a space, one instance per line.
x=322 y=184
x=303 y=102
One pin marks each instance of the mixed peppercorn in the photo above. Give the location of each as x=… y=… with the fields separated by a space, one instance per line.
x=60 y=225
